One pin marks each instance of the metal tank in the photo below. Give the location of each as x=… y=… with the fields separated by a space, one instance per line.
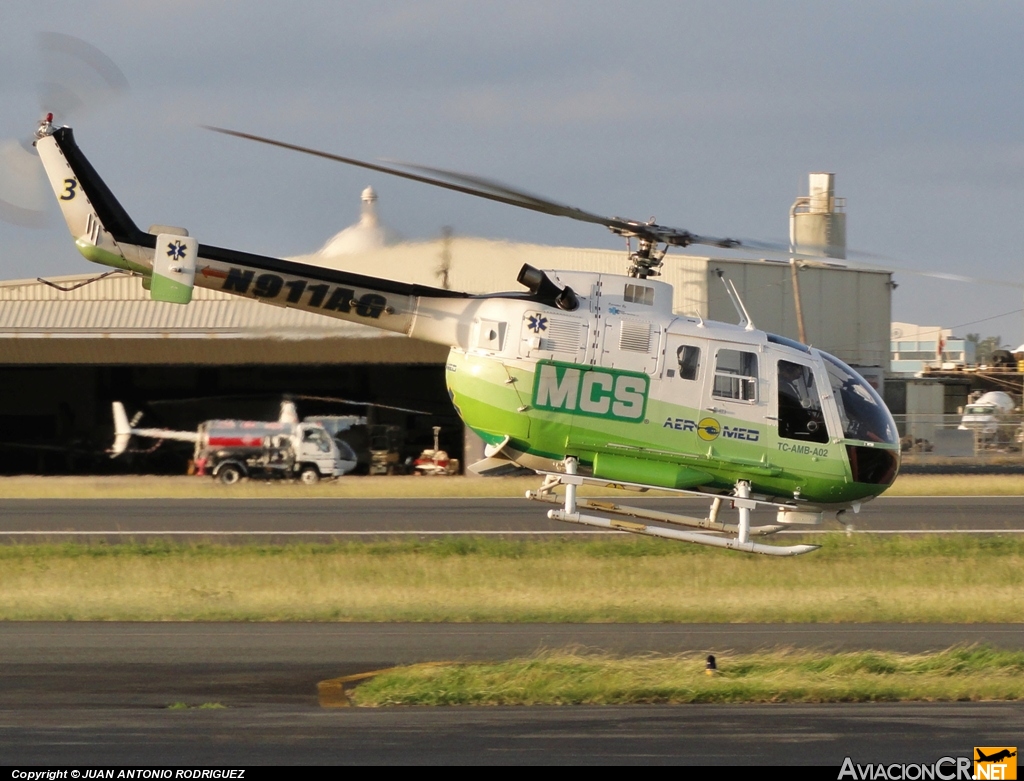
x=240 y=433
x=817 y=222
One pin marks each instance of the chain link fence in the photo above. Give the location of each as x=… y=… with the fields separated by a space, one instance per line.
x=941 y=435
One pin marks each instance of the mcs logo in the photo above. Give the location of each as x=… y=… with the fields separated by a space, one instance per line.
x=599 y=393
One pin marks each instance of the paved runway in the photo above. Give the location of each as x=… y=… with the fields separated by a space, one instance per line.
x=99 y=693
x=326 y=518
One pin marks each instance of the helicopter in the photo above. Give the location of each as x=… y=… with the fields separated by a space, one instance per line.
x=582 y=377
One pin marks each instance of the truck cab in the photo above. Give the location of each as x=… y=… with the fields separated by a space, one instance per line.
x=318 y=449
x=993 y=417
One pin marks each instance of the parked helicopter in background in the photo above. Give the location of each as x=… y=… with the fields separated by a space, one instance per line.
x=349 y=445
x=232 y=449
x=582 y=377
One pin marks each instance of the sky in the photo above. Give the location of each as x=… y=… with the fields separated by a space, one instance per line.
x=705 y=115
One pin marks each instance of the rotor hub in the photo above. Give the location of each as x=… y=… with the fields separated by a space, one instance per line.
x=646 y=261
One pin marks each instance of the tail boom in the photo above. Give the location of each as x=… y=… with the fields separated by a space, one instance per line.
x=104 y=233
x=123 y=432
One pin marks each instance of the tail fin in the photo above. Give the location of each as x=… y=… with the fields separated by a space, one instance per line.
x=288 y=413
x=122 y=430
x=102 y=229
x=93 y=214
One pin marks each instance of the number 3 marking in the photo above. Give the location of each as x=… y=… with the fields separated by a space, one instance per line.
x=69 y=189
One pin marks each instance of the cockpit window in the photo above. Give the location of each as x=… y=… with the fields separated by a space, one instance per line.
x=800 y=415
x=776 y=339
x=864 y=414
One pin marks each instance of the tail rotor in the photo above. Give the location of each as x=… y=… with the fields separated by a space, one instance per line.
x=77 y=78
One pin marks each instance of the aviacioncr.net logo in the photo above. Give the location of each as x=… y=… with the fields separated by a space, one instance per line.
x=709 y=429
x=944 y=769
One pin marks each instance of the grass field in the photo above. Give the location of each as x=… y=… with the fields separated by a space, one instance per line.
x=851 y=579
x=183 y=487
x=563 y=678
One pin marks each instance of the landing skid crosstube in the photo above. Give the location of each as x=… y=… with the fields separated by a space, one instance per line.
x=571 y=506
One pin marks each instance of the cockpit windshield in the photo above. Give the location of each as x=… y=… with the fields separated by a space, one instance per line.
x=865 y=416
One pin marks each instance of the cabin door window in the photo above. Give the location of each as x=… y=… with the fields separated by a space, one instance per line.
x=683 y=373
x=735 y=376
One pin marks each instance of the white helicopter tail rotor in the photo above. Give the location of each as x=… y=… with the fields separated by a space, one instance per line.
x=77 y=78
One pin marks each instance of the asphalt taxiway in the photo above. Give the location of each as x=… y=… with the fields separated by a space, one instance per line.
x=102 y=693
x=285 y=519
x=717 y=735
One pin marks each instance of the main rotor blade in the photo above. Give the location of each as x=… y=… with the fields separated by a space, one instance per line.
x=856 y=262
x=275 y=397
x=377 y=167
x=495 y=191
x=356 y=403
x=938 y=275
x=647 y=230
x=519 y=198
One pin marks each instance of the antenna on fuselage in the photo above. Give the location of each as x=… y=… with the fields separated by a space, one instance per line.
x=745 y=320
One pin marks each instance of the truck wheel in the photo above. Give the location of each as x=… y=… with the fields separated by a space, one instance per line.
x=229 y=475
x=309 y=475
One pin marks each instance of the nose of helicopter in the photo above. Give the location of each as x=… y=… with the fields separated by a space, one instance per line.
x=873 y=466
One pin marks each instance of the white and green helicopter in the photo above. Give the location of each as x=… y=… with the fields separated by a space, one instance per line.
x=581 y=377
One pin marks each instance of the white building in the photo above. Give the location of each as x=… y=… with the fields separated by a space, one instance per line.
x=914 y=348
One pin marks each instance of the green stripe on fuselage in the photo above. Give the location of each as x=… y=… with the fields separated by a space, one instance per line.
x=500 y=399
x=103 y=257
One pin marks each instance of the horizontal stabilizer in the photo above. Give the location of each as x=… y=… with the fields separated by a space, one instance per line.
x=174 y=268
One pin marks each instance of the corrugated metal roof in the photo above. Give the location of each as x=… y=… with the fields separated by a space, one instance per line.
x=118 y=306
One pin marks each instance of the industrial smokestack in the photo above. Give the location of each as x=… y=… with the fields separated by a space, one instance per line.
x=817 y=222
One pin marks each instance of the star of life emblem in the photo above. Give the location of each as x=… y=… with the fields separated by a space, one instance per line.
x=537 y=323
x=175 y=250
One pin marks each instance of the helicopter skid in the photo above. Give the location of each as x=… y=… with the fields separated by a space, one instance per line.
x=741 y=501
x=553 y=479
x=683 y=536
x=652 y=515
